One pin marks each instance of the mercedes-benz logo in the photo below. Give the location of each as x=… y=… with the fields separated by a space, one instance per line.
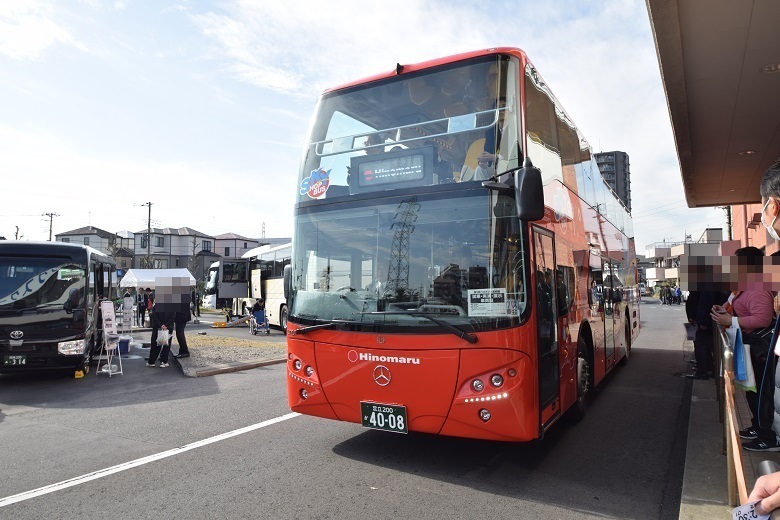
x=17 y=334
x=382 y=375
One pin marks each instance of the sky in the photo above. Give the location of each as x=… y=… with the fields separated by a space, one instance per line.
x=202 y=107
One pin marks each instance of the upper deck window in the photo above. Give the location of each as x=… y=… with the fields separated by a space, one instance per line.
x=419 y=129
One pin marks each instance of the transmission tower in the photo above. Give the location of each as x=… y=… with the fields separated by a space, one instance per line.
x=403 y=223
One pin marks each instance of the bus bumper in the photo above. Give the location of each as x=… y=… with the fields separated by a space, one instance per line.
x=435 y=386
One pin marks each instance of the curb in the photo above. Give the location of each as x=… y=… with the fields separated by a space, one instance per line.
x=224 y=368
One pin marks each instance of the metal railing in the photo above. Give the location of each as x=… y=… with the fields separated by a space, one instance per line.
x=737 y=489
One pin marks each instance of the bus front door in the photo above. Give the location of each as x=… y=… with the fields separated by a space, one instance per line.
x=547 y=324
x=611 y=297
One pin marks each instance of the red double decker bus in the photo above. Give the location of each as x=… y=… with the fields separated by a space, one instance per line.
x=459 y=265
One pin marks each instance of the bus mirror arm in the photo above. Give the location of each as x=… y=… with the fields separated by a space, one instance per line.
x=529 y=192
x=493 y=184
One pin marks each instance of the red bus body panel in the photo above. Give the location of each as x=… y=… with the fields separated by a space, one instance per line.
x=434 y=384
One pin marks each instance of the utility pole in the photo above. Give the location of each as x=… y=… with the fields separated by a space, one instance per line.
x=51 y=221
x=148 y=236
x=728 y=219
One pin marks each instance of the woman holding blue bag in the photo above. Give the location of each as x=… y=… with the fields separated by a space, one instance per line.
x=753 y=313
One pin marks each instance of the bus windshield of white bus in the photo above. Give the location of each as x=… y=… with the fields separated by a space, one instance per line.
x=413 y=130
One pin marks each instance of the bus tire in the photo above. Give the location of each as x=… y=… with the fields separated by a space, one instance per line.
x=283 y=318
x=583 y=380
x=624 y=359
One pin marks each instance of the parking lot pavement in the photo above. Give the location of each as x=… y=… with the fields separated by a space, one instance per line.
x=219 y=350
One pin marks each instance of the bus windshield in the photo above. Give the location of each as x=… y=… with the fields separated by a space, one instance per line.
x=391 y=259
x=41 y=283
x=211 y=281
x=416 y=129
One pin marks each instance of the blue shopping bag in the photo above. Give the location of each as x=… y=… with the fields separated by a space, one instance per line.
x=740 y=369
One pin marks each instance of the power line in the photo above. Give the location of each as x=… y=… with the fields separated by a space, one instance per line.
x=662 y=206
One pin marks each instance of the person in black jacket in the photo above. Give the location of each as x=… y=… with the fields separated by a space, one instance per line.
x=164 y=321
x=697 y=308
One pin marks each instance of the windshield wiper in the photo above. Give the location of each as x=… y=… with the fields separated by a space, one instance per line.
x=471 y=338
x=327 y=325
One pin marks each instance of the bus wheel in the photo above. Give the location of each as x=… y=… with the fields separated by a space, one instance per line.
x=283 y=318
x=583 y=380
x=624 y=360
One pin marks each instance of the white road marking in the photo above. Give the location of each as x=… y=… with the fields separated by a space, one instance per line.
x=51 y=488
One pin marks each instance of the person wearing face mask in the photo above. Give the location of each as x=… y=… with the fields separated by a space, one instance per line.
x=770 y=196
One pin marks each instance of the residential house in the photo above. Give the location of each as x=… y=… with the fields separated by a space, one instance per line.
x=231 y=245
x=169 y=248
x=93 y=237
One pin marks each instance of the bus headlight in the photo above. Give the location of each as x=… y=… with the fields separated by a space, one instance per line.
x=477 y=385
x=496 y=380
x=309 y=371
x=297 y=364
x=71 y=348
x=484 y=414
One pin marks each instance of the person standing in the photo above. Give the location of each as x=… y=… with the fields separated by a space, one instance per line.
x=698 y=309
x=753 y=311
x=160 y=321
x=195 y=301
x=770 y=197
x=142 y=302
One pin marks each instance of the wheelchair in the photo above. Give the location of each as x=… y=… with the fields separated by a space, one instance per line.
x=259 y=322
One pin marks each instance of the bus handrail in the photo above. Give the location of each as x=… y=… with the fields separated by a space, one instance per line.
x=454 y=126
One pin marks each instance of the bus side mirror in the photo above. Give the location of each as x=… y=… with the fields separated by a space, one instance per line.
x=529 y=194
x=287 y=279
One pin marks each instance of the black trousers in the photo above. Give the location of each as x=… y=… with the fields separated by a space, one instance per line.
x=180 y=323
x=702 y=351
x=157 y=350
x=761 y=403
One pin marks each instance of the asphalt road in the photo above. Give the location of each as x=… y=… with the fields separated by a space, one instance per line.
x=624 y=460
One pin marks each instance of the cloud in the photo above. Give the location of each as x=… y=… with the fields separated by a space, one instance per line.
x=301 y=47
x=83 y=188
x=27 y=28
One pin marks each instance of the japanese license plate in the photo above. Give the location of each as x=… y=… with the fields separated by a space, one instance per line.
x=14 y=360
x=387 y=417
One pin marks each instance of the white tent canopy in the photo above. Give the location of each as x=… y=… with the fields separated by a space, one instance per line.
x=143 y=278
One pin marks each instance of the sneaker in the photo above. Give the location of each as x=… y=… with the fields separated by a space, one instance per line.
x=149 y=364
x=759 y=445
x=748 y=434
x=164 y=365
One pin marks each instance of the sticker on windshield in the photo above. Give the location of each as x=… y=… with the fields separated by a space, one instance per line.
x=488 y=302
x=316 y=184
